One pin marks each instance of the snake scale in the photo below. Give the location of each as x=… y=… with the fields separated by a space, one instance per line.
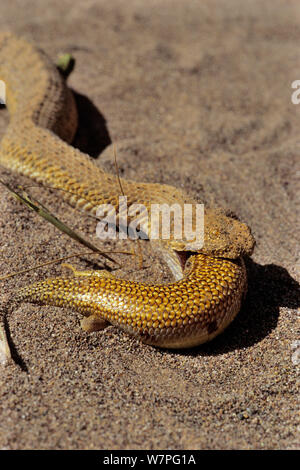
x=190 y=310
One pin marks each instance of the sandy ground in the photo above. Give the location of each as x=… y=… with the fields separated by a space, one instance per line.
x=198 y=95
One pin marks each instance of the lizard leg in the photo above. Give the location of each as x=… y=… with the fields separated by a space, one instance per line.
x=93 y=323
x=90 y=273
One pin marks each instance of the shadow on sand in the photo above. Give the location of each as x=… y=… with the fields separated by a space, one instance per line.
x=269 y=288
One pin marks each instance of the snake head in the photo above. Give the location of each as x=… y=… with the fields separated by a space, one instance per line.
x=224 y=236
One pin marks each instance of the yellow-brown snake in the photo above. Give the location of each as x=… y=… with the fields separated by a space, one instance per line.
x=181 y=314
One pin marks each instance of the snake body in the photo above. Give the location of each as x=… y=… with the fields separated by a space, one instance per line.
x=180 y=314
